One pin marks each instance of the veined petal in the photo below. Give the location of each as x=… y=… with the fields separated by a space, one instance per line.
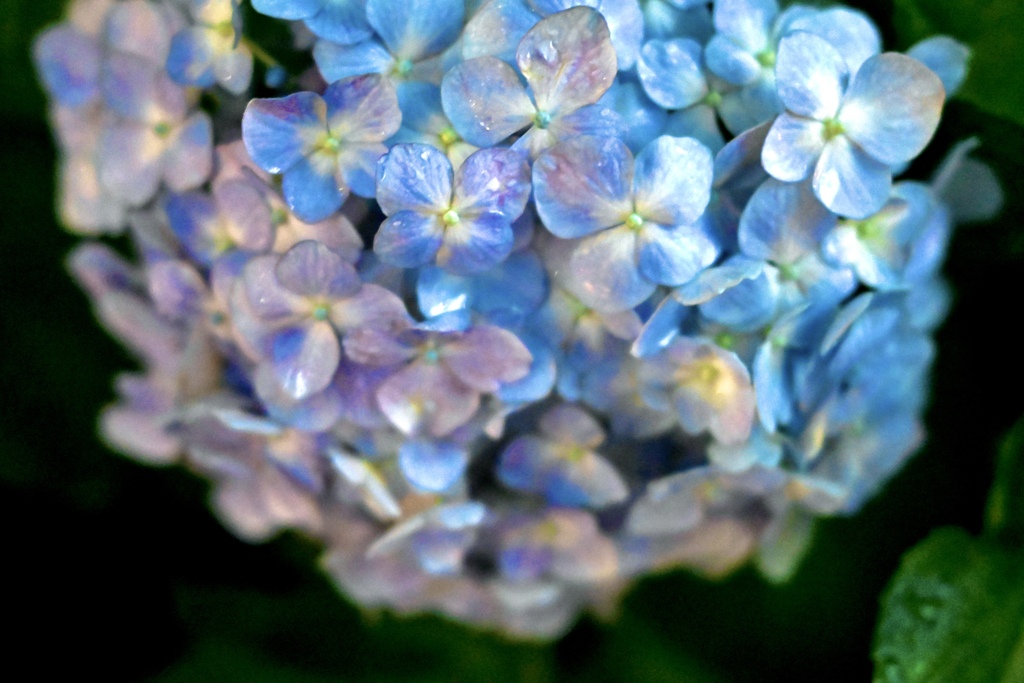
x=279 y=131
x=305 y=358
x=312 y=190
x=362 y=109
x=671 y=72
x=495 y=181
x=810 y=75
x=892 y=108
x=783 y=222
x=850 y=32
x=413 y=29
x=425 y=398
x=311 y=269
x=568 y=60
x=476 y=244
x=357 y=166
x=672 y=181
x=414 y=177
x=604 y=273
x=792 y=147
x=408 y=239
x=583 y=185
x=675 y=255
x=485 y=101
x=849 y=181
x=496 y=28
x=372 y=306
x=487 y=356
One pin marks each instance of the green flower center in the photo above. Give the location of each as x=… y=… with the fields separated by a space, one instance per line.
x=713 y=99
x=542 y=119
x=766 y=58
x=450 y=217
x=331 y=143
x=278 y=216
x=320 y=312
x=161 y=130
x=635 y=221
x=402 y=67
x=448 y=137
x=832 y=128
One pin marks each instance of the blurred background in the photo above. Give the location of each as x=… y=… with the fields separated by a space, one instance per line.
x=118 y=569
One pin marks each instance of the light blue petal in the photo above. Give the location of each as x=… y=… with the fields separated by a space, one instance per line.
x=748 y=306
x=646 y=119
x=413 y=29
x=188 y=157
x=438 y=292
x=714 y=281
x=414 y=177
x=730 y=62
x=892 y=108
x=751 y=105
x=476 y=244
x=408 y=239
x=810 y=75
x=494 y=181
x=485 y=101
x=660 y=329
x=792 y=147
x=604 y=273
x=774 y=401
x=671 y=72
x=540 y=380
x=747 y=22
x=568 y=60
x=357 y=164
x=583 y=185
x=432 y=466
x=305 y=358
x=312 y=190
x=698 y=122
x=288 y=9
x=311 y=269
x=626 y=27
x=945 y=56
x=340 y=21
x=343 y=61
x=276 y=130
x=672 y=181
x=849 y=181
x=850 y=32
x=674 y=256
x=783 y=222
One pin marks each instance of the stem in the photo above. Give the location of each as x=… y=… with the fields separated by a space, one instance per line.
x=259 y=53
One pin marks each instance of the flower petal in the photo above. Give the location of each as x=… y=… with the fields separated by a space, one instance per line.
x=476 y=244
x=425 y=398
x=278 y=131
x=568 y=60
x=583 y=185
x=893 y=107
x=337 y=62
x=792 y=147
x=432 y=466
x=305 y=358
x=362 y=109
x=604 y=274
x=810 y=75
x=675 y=255
x=494 y=181
x=311 y=269
x=413 y=29
x=414 y=177
x=312 y=190
x=485 y=101
x=672 y=181
x=408 y=239
x=849 y=181
x=671 y=72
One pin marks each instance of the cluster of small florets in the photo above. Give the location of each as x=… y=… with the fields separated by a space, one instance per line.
x=508 y=302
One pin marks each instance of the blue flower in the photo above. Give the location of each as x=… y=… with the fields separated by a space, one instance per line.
x=847 y=134
x=635 y=218
x=568 y=62
x=209 y=52
x=462 y=220
x=424 y=121
x=410 y=32
x=323 y=146
x=562 y=463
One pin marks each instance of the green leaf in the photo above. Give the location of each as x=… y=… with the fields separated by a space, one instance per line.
x=1004 y=519
x=953 y=612
x=992 y=29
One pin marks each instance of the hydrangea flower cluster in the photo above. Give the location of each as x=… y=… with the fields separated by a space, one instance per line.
x=508 y=302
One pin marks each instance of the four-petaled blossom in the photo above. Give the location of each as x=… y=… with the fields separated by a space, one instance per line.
x=323 y=146
x=849 y=134
x=567 y=61
x=461 y=219
x=209 y=52
x=635 y=218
